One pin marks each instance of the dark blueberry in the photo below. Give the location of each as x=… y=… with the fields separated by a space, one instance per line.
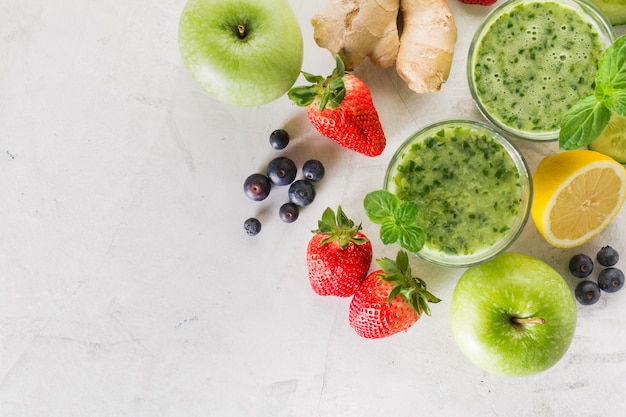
x=252 y=226
x=289 y=212
x=611 y=280
x=282 y=171
x=581 y=266
x=607 y=256
x=279 y=139
x=301 y=193
x=257 y=187
x=313 y=170
x=587 y=292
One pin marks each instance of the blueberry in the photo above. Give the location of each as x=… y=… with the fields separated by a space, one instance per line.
x=607 y=256
x=252 y=226
x=587 y=292
x=581 y=266
x=289 y=212
x=301 y=193
x=282 y=171
x=257 y=187
x=279 y=139
x=611 y=280
x=313 y=170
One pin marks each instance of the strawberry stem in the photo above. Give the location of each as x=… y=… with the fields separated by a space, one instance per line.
x=329 y=90
x=411 y=289
x=339 y=228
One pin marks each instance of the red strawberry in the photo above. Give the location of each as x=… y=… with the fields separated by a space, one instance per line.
x=389 y=300
x=340 y=107
x=338 y=255
x=479 y=2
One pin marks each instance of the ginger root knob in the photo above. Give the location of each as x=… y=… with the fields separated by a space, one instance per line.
x=426 y=45
x=356 y=29
x=422 y=49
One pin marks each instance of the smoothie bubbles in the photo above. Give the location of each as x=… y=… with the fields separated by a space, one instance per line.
x=531 y=60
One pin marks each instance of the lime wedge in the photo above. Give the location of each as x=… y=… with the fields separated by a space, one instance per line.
x=614 y=10
x=612 y=140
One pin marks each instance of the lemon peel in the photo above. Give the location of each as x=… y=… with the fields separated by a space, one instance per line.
x=577 y=195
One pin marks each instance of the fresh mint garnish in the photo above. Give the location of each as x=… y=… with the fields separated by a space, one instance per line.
x=611 y=77
x=584 y=121
x=397 y=220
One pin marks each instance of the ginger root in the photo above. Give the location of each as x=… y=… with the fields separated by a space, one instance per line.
x=422 y=49
x=426 y=45
x=356 y=29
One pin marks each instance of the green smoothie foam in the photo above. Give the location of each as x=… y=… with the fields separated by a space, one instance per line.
x=467 y=187
x=533 y=63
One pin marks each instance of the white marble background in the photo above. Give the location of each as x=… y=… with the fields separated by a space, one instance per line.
x=127 y=287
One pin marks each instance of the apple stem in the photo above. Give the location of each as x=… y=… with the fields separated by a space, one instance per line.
x=241 y=31
x=532 y=320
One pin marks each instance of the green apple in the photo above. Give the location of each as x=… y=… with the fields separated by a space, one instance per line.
x=513 y=315
x=241 y=52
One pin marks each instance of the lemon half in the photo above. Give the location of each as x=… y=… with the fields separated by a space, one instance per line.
x=577 y=195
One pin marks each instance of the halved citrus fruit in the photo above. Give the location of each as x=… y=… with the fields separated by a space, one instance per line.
x=577 y=194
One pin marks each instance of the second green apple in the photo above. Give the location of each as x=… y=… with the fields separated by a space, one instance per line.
x=513 y=315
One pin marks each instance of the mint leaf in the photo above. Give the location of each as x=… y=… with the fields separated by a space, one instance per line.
x=412 y=238
x=611 y=73
x=586 y=119
x=582 y=123
x=406 y=212
x=397 y=220
x=380 y=205
x=612 y=97
x=611 y=77
x=389 y=232
x=616 y=103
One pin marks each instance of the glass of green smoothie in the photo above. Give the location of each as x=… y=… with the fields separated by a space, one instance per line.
x=472 y=188
x=531 y=60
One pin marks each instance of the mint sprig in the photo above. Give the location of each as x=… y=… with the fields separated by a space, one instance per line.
x=584 y=121
x=397 y=220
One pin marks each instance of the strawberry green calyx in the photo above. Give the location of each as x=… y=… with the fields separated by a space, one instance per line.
x=411 y=289
x=330 y=90
x=339 y=229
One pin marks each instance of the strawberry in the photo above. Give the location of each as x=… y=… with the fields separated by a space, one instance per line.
x=479 y=2
x=340 y=107
x=389 y=300
x=338 y=255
